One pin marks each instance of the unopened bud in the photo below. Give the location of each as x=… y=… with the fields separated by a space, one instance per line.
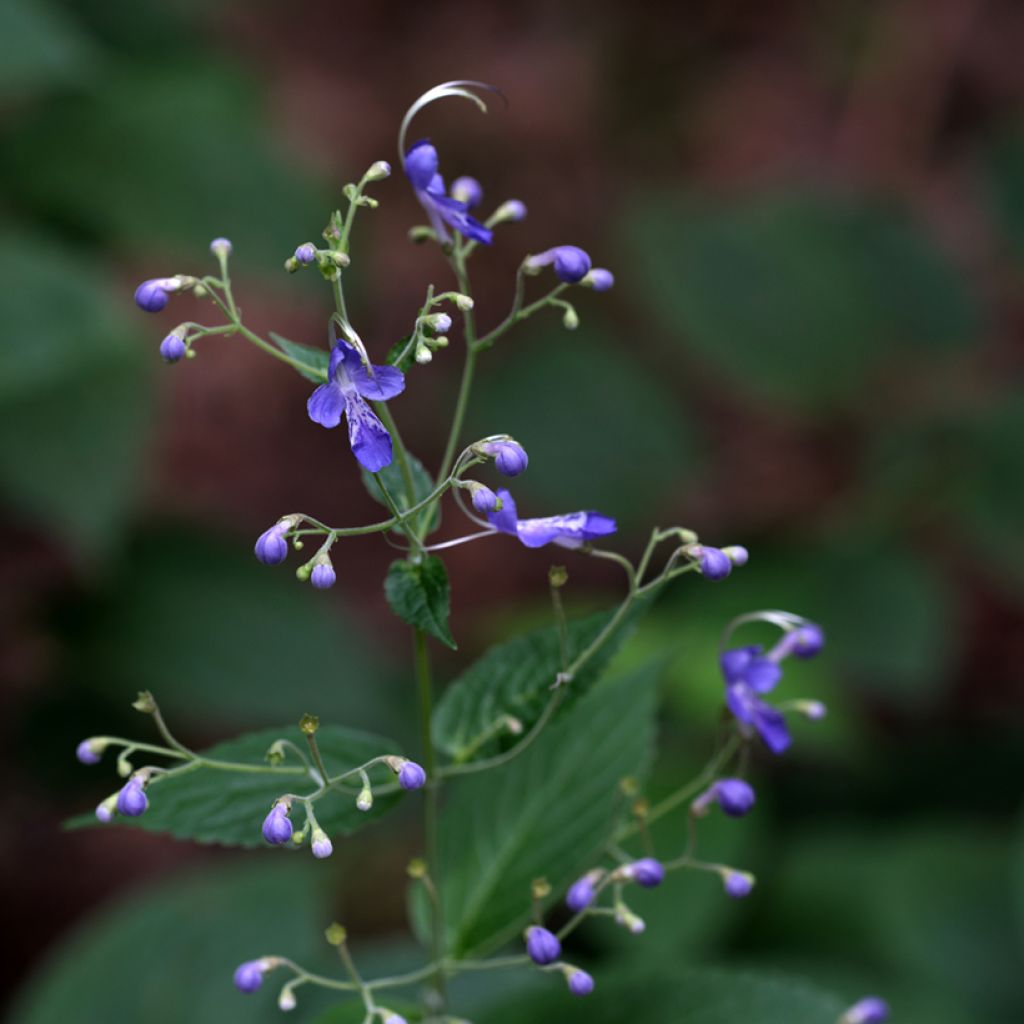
x=464 y=302
x=570 y=319
x=320 y=844
x=558 y=576
x=510 y=210
x=309 y=724
x=365 y=799
x=378 y=171
x=417 y=868
x=335 y=934
x=144 y=702
x=540 y=888
x=286 y=1000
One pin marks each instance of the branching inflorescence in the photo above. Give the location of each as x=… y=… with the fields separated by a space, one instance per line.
x=349 y=387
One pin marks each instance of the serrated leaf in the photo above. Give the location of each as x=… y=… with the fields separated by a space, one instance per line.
x=393 y=478
x=400 y=355
x=547 y=813
x=225 y=807
x=419 y=595
x=315 y=360
x=514 y=678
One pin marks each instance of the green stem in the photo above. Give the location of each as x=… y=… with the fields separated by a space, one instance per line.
x=458 y=263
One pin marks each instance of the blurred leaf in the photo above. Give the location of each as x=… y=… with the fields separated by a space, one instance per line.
x=394 y=480
x=515 y=678
x=558 y=386
x=316 y=360
x=221 y=638
x=694 y=996
x=548 y=812
x=420 y=596
x=167 y=955
x=41 y=46
x=798 y=297
x=74 y=393
x=1006 y=187
x=220 y=806
x=199 y=164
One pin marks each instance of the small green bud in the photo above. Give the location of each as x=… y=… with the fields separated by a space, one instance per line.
x=340 y=259
x=144 y=702
x=540 y=888
x=570 y=320
x=417 y=868
x=291 y=264
x=309 y=724
x=275 y=753
x=558 y=575
x=464 y=302
x=378 y=171
x=190 y=353
x=200 y=291
x=286 y=1000
x=124 y=766
x=350 y=192
x=303 y=572
x=335 y=934
x=367 y=201
x=420 y=234
x=435 y=343
x=423 y=353
x=365 y=799
x=514 y=725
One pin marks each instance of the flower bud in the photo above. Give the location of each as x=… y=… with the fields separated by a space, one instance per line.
x=542 y=946
x=734 y=796
x=571 y=263
x=464 y=302
x=582 y=892
x=737 y=884
x=277 y=826
x=323 y=576
x=379 y=170
x=510 y=458
x=468 y=191
x=484 y=499
x=570 y=319
x=809 y=641
x=390 y=1017
x=423 y=355
x=272 y=546
x=714 y=563
x=599 y=279
x=411 y=776
x=870 y=1010
x=90 y=751
x=105 y=811
x=510 y=210
x=305 y=253
x=249 y=976
x=736 y=554
x=365 y=799
x=221 y=247
x=813 y=710
x=172 y=348
x=153 y=295
x=320 y=844
x=286 y=1000
x=646 y=872
x=580 y=983
x=631 y=922
x=131 y=799
x=439 y=323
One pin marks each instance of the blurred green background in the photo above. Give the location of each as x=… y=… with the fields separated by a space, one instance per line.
x=815 y=215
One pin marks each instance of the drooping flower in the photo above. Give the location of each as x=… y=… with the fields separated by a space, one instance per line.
x=580 y=983
x=484 y=499
x=571 y=264
x=272 y=545
x=277 y=826
x=443 y=211
x=132 y=800
x=411 y=776
x=735 y=796
x=323 y=576
x=349 y=385
x=646 y=872
x=714 y=563
x=581 y=893
x=154 y=294
x=249 y=976
x=737 y=884
x=568 y=531
x=510 y=458
x=172 y=348
x=870 y=1010
x=89 y=751
x=542 y=946
x=320 y=844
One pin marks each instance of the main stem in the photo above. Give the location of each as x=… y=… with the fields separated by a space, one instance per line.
x=424 y=684
x=458 y=262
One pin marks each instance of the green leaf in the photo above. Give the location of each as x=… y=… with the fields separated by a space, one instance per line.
x=548 y=812
x=211 y=805
x=575 y=381
x=395 y=355
x=799 y=297
x=221 y=639
x=166 y=955
x=1006 y=188
x=514 y=678
x=315 y=360
x=419 y=595
x=696 y=996
x=393 y=478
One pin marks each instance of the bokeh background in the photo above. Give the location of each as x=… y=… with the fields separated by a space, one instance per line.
x=815 y=215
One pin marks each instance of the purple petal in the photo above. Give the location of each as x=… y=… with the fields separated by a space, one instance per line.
x=505 y=519
x=385 y=383
x=741 y=701
x=734 y=662
x=762 y=674
x=598 y=525
x=421 y=164
x=326 y=405
x=457 y=216
x=371 y=443
x=535 y=533
x=771 y=724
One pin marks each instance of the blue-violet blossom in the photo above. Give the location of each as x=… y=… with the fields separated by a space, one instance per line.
x=172 y=348
x=421 y=165
x=571 y=263
x=580 y=983
x=735 y=796
x=272 y=545
x=249 y=976
x=411 y=776
x=542 y=946
x=737 y=884
x=870 y=1010
x=510 y=458
x=89 y=751
x=132 y=800
x=277 y=826
x=646 y=872
x=349 y=385
x=568 y=531
x=323 y=576
x=153 y=295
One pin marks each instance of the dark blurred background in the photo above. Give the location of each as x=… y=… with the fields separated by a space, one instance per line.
x=815 y=215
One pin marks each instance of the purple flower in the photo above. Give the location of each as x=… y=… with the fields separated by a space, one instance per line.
x=542 y=946
x=738 y=554
x=153 y=295
x=277 y=826
x=323 y=576
x=581 y=894
x=747 y=674
x=411 y=776
x=484 y=499
x=468 y=191
x=571 y=263
x=580 y=983
x=734 y=796
x=568 y=531
x=646 y=872
x=172 y=348
x=221 y=245
x=249 y=976
x=272 y=545
x=737 y=884
x=321 y=845
x=305 y=253
x=421 y=165
x=810 y=639
x=510 y=458
x=87 y=752
x=599 y=279
x=349 y=384
x=132 y=800
x=870 y=1010
x=714 y=563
